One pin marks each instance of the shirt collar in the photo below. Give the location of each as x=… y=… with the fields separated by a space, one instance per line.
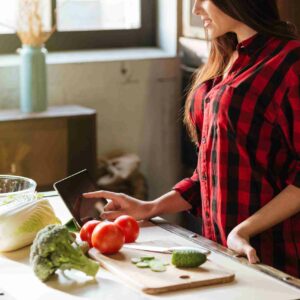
x=252 y=44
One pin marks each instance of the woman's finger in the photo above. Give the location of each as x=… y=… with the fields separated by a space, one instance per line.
x=111 y=215
x=103 y=194
x=110 y=206
x=96 y=194
x=251 y=255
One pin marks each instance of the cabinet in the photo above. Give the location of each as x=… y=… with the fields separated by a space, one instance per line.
x=48 y=146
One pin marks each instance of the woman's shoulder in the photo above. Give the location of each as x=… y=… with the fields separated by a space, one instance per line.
x=289 y=59
x=291 y=47
x=288 y=54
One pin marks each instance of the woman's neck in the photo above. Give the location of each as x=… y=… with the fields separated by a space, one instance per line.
x=244 y=32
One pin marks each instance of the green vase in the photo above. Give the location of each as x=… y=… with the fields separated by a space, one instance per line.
x=33 y=79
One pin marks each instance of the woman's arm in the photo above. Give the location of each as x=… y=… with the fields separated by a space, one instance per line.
x=121 y=204
x=171 y=202
x=280 y=208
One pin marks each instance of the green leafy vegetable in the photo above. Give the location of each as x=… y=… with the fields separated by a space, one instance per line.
x=21 y=217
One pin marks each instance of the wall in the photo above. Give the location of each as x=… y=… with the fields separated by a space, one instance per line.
x=289 y=10
x=137 y=103
x=136 y=94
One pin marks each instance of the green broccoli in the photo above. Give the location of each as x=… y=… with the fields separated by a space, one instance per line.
x=54 y=248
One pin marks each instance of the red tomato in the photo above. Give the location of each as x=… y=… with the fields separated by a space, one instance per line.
x=129 y=226
x=108 y=238
x=87 y=230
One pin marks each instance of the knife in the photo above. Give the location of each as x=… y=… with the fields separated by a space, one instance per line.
x=168 y=250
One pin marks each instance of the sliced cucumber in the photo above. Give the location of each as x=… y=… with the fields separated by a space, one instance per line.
x=135 y=260
x=142 y=265
x=147 y=258
x=151 y=262
x=157 y=265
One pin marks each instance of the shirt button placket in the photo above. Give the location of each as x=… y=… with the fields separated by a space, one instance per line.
x=204 y=175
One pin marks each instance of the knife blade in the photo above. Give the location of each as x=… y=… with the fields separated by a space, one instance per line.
x=168 y=250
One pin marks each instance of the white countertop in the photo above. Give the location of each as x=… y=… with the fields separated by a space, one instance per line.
x=17 y=278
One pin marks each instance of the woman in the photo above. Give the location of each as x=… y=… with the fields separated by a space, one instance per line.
x=243 y=113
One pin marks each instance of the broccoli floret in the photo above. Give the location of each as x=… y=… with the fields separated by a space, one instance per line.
x=44 y=236
x=43 y=267
x=53 y=249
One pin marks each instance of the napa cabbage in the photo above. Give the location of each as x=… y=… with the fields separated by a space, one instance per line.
x=21 y=217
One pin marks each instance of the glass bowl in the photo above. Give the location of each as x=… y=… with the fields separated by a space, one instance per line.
x=11 y=186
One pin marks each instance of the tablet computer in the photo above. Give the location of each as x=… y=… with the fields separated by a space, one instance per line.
x=71 y=189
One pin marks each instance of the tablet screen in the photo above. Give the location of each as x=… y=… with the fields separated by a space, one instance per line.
x=71 y=189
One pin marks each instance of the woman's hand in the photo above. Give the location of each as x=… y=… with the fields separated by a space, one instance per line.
x=121 y=204
x=239 y=242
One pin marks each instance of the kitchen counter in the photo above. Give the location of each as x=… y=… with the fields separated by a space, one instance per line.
x=18 y=280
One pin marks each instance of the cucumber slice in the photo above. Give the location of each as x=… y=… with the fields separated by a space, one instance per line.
x=157 y=265
x=188 y=258
x=135 y=260
x=142 y=265
x=147 y=258
x=151 y=262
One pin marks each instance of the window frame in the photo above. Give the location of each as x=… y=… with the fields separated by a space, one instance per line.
x=96 y=39
x=192 y=25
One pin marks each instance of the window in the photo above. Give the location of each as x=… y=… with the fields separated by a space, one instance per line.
x=7 y=16
x=86 y=24
x=192 y=25
x=81 y=15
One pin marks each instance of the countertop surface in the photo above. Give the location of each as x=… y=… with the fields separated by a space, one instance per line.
x=18 y=281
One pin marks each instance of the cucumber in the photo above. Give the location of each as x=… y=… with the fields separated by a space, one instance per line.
x=188 y=258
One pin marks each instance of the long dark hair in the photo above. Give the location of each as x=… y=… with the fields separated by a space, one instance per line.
x=260 y=15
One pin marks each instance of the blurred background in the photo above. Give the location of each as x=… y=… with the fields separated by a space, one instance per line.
x=117 y=75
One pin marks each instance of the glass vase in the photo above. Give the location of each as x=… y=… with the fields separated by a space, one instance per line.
x=33 y=79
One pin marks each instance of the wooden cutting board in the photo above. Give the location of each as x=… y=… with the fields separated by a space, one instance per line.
x=159 y=282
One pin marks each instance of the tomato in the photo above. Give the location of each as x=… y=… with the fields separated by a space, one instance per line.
x=87 y=230
x=108 y=238
x=129 y=226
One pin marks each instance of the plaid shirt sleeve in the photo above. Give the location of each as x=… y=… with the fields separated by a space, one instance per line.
x=189 y=189
x=289 y=122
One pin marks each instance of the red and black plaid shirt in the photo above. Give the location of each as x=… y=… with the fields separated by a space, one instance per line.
x=248 y=129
